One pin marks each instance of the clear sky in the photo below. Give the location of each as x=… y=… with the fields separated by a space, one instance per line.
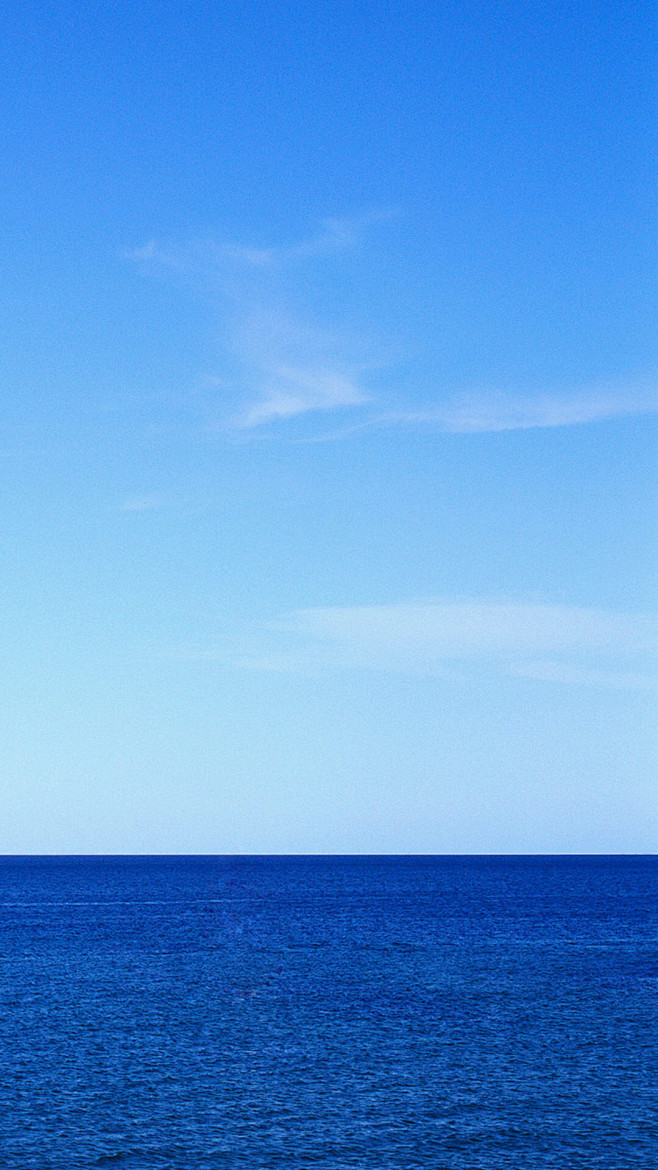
x=328 y=446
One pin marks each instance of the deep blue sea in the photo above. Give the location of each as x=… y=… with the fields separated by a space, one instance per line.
x=193 y=1013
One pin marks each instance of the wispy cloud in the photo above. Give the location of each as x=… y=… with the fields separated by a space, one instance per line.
x=148 y=502
x=494 y=411
x=298 y=391
x=284 y=364
x=335 y=234
x=217 y=258
x=542 y=641
x=291 y=367
x=561 y=672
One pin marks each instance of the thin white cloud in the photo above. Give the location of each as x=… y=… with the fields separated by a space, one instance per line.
x=335 y=234
x=560 y=672
x=298 y=391
x=283 y=365
x=464 y=628
x=291 y=367
x=148 y=502
x=542 y=641
x=491 y=412
x=249 y=256
x=206 y=254
x=496 y=413
x=156 y=254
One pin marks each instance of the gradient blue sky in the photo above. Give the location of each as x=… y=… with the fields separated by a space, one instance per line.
x=329 y=436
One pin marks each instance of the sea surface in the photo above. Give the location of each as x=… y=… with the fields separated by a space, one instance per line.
x=193 y=1013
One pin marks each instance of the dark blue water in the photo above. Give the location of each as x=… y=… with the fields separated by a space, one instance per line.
x=195 y=1013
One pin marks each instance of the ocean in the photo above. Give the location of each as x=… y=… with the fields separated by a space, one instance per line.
x=249 y=1013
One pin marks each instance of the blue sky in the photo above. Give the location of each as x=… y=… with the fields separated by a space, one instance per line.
x=328 y=453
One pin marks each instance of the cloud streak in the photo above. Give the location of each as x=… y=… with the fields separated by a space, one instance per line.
x=493 y=412
x=283 y=365
x=547 y=642
x=335 y=234
x=217 y=259
x=291 y=368
x=294 y=391
x=147 y=502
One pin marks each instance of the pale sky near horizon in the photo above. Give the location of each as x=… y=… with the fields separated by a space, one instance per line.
x=329 y=428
